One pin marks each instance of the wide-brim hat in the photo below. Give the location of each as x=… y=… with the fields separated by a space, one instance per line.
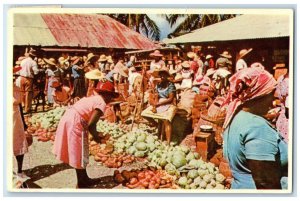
x=185 y=64
x=55 y=83
x=89 y=57
x=107 y=87
x=62 y=60
x=210 y=72
x=191 y=55
x=50 y=61
x=20 y=59
x=102 y=58
x=244 y=52
x=121 y=69
x=222 y=62
x=222 y=73
x=109 y=59
x=95 y=74
x=208 y=56
x=226 y=55
x=41 y=62
x=156 y=53
x=157 y=71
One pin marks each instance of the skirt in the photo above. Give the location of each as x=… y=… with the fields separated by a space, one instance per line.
x=71 y=140
x=20 y=146
x=79 y=88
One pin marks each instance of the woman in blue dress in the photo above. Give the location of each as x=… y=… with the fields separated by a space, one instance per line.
x=256 y=153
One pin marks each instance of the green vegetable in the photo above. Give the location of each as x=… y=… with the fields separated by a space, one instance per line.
x=182 y=181
x=192 y=174
x=178 y=159
x=141 y=146
x=139 y=154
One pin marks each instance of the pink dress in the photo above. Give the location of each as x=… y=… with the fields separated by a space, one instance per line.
x=71 y=140
x=282 y=90
x=20 y=146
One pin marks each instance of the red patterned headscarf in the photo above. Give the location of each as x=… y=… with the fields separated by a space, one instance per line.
x=246 y=85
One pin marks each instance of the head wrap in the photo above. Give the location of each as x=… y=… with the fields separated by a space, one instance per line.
x=245 y=85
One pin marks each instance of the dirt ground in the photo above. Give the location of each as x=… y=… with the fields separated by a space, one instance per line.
x=46 y=171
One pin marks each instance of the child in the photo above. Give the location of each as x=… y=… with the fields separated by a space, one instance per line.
x=61 y=94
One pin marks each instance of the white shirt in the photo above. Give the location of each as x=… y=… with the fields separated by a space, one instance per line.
x=240 y=64
x=29 y=68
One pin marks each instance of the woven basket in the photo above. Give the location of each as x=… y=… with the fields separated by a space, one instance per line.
x=215 y=122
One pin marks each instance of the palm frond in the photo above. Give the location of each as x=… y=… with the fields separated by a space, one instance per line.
x=152 y=28
x=172 y=18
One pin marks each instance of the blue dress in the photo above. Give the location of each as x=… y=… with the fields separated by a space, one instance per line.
x=251 y=137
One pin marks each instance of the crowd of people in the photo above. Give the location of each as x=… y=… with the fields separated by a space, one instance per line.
x=88 y=83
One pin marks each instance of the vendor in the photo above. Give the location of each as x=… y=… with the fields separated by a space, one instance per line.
x=93 y=78
x=187 y=76
x=52 y=73
x=78 y=67
x=157 y=62
x=241 y=59
x=71 y=141
x=93 y=67
x=164 y=109
x=61 y=94
x=256 y=153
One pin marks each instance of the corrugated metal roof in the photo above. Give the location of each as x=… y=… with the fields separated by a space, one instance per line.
x=84 y=30
x=32 y=29
x=239 y=28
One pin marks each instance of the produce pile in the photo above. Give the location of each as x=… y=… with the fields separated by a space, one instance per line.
x=44 y=125
x=191 y=172
x=144 y=179
x=104 y=153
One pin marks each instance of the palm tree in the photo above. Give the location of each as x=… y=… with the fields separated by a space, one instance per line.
x=194 y=21
x=141 y=23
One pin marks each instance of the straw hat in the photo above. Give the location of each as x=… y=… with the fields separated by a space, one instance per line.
x=55 y=83
x=109 y=59
x=120 y=69
x=50 y=61
x=102 y=58
x=191 y=55
x=155 y=72
x=62 y=60
x=20 y=59
x=210 y=72
x=226 y=55
x=222 y=62
x=89 y=57
x=41 y=62
x=185 y=64
x=208 y=57
x=156 y=53
x=95 y=74
x=244 y=52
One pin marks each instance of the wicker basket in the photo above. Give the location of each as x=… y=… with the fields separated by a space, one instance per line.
x=215 y=122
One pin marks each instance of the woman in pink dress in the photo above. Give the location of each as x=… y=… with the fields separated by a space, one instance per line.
x=71 y=141
x=282 y=92
x=20 y=146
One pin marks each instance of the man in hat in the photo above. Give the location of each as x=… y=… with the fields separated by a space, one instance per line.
x=29 y=69
x=241 y=63
x=79 y=89
x=157 y=63
x=102 y=63
x=226 y=55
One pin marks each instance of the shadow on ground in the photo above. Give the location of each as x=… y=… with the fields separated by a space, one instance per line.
x=43 y=171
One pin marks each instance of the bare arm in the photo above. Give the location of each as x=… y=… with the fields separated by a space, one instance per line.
x=168 y=100
x=92 y=124
x=266 y=174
